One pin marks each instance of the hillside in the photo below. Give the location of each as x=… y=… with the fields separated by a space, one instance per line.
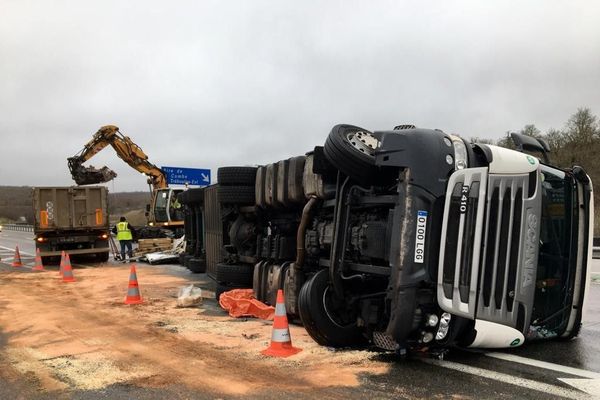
x=16 y=202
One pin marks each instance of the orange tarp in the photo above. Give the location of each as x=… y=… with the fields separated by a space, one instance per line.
x=242 y=303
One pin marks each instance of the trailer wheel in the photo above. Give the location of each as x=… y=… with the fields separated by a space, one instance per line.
x=351 y=150
x=196 y=265
x=236 y=194
x=195 y=195
x=323 y=317
x=243 y=176
x=240 y=275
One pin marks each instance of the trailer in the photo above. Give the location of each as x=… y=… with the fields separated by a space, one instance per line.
x=72 y=219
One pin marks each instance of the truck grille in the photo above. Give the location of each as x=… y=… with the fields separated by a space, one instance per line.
x=481 y=240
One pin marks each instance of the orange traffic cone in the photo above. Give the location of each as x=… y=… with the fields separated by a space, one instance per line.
x=133 y=291
x=17 y=259
x=67 y=272
x=38 y=262
x=62 y=263
x=281 y=341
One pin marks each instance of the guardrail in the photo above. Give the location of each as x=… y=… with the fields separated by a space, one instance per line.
x=18 y=227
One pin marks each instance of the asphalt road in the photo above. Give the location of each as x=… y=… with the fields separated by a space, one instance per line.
x=539 y=370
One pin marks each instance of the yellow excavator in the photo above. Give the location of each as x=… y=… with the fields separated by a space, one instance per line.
x=164 y=210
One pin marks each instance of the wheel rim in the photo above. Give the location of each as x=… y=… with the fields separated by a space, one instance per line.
x=332 y=317
x=363 y=142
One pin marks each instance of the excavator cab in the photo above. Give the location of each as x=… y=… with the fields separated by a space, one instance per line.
x=167 y=208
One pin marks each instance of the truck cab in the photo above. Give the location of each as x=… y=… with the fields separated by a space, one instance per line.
x=414 y=238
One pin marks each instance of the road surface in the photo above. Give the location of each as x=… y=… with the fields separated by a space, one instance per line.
x=542 y=370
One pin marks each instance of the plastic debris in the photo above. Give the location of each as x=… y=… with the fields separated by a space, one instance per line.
x=189 y=296
x=242 y=303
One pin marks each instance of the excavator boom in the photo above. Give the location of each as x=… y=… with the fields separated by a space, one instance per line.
x=127 y=151
x=164 y=210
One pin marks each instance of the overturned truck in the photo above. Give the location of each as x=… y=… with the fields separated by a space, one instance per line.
x=407 y=238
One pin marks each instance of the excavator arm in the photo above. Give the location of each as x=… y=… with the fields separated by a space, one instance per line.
x=127 y=151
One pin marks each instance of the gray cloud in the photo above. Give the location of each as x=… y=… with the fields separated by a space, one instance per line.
x=204 y=84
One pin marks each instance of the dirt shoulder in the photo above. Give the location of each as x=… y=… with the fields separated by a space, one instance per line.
x=69 y=337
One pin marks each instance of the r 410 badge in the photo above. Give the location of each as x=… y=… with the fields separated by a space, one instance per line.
x=464 y=196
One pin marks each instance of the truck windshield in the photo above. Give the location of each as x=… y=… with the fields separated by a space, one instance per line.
x=556 y=263
x=160 y=208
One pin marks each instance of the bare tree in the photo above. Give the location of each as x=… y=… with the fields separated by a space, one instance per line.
x=582 y=127
x=506 y=141
x=531 y=130
x=556 y=139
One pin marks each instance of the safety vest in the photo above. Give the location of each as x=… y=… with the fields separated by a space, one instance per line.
x=123 y=232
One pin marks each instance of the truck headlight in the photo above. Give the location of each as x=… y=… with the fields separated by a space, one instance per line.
x=444 y=326
x=461 y=158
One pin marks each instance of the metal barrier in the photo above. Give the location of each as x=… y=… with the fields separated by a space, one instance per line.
x=18 y=227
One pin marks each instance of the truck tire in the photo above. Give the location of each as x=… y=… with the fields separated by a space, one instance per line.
x=317 y=315
x=195 y=196
x=236 y=176
x=102 y=257
x=236 y=194
x=234 y=274
x=196 y=265
x=186 y=259
x=182 y=259
x=350 y=149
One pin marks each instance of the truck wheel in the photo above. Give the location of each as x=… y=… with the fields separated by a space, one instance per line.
x=186 y=259
x=196 y=265
x=325 y=318
x=243 y=176
x=182 y=259
x=222 y=288
x=241 y=275
x=351 y=150
x=102 y=257
x=236 y=194
x=195 y=195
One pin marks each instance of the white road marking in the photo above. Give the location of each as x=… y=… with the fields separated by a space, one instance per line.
x=10 y=259
x=509 y=379
x=20 y=252
x=590 y=386
x=545 y=365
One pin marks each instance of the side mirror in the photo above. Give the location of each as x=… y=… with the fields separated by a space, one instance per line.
x=529 y=143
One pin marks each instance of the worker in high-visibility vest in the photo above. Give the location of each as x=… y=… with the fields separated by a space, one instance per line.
x=124 y=233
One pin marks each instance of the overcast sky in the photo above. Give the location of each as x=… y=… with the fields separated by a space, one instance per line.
x=203 y=84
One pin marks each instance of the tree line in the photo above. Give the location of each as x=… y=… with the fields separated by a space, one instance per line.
x=576 y=143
